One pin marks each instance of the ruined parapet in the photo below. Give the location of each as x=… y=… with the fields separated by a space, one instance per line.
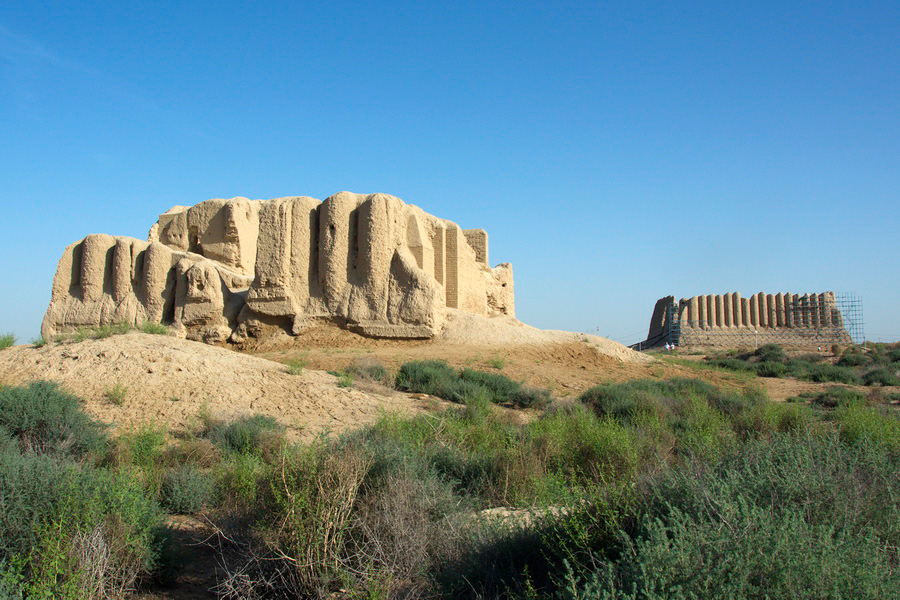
x=731 y=321
x=233 y=269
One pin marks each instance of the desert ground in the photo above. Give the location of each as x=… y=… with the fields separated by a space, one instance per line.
x=168 y=381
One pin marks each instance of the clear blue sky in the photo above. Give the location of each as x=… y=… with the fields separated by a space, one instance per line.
x=614 y=152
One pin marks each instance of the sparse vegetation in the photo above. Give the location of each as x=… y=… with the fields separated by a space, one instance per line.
x=104 y=331
x=117 y=394
x=875 y=365
x=370 y=370
x=497 y=362
x=187 y=489
x=247 y=435
x=39 y=342
x=153 y=328
x=295 y=366
x=439 y=379
x=7 y=340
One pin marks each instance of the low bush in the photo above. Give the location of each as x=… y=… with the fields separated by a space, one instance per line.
x=824 y=513
x=824 y=373
x=882 y=376
x=295 y=366
x=238 y=479
x=248 y=435
x=75 y=531
x=117 y=394
x=425 y=376
x=7 y=340
x=770 y=369
x=733 y=364
x=467 y=386
x=186 y=489
x=45 y=419
x=835 y=396
x=501 y=387
x=853 y=358
x=770 y=353
x=529 y=397
x=869 y=425
x=370 y=370
x=153 y=328
x=141 y=447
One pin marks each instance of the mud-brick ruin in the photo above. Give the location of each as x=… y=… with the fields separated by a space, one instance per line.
x=230 y=270
x=730 y=321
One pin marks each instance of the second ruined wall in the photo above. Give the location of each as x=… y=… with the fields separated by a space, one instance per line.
x=760 y=311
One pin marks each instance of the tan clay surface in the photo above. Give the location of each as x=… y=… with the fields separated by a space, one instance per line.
x=169 y=379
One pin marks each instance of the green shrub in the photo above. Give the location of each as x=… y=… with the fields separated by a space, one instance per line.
x=770 y=353
x=7 y=340
x=238 y=479
x=117 y=394
x=153 y=328
x=439 y=379
x=38 y=342
x=186 y=489
x=501 y=387
x=295 y=366
x=869 y=425
x=770 y=369
x=247 y=435
x=881 y=376
x=852 y=358
x=425 y=376
x=790 y=418
x=529 y=397
x=733 y=364
x=345 y=380
x=370 y=370
x=823 y=373
x=311 y=510
x=8 y=443
x=142 y=447
x=824 y=513
x=75 y=531
x=834 y=396
x=497 y=362
x=45 y=419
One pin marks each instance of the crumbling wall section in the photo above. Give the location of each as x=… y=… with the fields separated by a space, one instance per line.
x=233 y=269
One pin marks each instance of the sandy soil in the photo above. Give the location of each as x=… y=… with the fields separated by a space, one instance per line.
x=168 y=380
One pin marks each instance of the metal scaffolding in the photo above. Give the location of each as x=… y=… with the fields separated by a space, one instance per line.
x=851 y=307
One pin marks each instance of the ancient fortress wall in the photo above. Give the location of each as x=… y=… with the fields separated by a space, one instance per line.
x=729 y=320
x=232 y=269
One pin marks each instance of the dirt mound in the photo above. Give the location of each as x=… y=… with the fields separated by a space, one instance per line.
x=168 y=380
x=475 y=330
